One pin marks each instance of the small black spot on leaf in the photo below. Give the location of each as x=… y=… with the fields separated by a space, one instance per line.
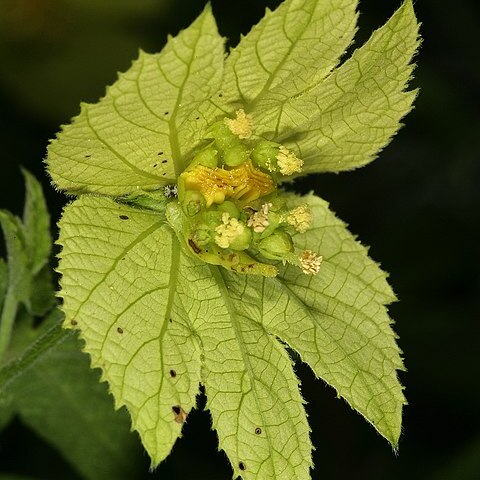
x=155 y=165
x=120 y=330
x=166 y=113
x=242 y=466
x=220 y=95
x=173 y=373
x=73 y=322
x=87 y=156
x=123 y=217
x=160 y=153
x=164 y=161
x=258 y=431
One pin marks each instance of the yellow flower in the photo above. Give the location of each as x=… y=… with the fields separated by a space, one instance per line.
x=310 y=262
x=288 y=163
x=241 y=125
x=244 y=183
x=300 y=218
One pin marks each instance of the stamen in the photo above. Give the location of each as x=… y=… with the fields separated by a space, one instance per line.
x=241 y=125
x=259 y=220
x=228 y=231
x=287 y=161
x=300 y=218
x=310 y=262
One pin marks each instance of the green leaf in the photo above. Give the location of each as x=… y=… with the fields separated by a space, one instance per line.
x=131 y=275
x=290 y=49
x=251 y=388
x=63 y=402
x=342 y=122
x=19 y=277
x=120 y=269
x=19 y=273
x=42 y=298
x=335 y=320
x=36 y=221
x=28 y=277
x=156 y=319
x=139 y=134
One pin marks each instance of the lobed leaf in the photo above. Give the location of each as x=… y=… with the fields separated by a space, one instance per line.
x=158 y=321
x=139 y=134
x=290 y=49
x=146 y=309
x=335 y=320
x=338 y=323
x=119 y=271
x=342 y=122
x=252 y=391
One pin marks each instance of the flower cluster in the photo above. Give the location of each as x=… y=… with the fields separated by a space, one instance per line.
x=230 y=209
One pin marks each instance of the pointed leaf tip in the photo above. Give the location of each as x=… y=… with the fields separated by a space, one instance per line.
x=112 y=147
x=344 y=120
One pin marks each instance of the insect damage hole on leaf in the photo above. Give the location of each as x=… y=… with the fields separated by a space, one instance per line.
x=180 y=416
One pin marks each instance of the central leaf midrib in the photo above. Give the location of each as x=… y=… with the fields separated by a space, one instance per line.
x=174 y=269
x=178 y=161
x=217 y=274
x=293 y=43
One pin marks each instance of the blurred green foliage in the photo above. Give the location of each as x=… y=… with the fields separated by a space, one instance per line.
x=55 y=52
x=421 y=195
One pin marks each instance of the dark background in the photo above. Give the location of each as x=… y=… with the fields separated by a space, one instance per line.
x=417 y=205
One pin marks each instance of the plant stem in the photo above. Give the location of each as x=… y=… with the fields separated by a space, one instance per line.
x=6 y=323
x=42 y=345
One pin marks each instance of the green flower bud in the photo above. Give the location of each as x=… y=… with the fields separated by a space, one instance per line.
x=277 y=246
x=207 y=157
x=193 y=203
x=243 y=240
x=202 y=235
x=213 y=218
x=236 y=155
x=224 y=138
x=274 y=222
x=264 y=154
x=230 y=208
